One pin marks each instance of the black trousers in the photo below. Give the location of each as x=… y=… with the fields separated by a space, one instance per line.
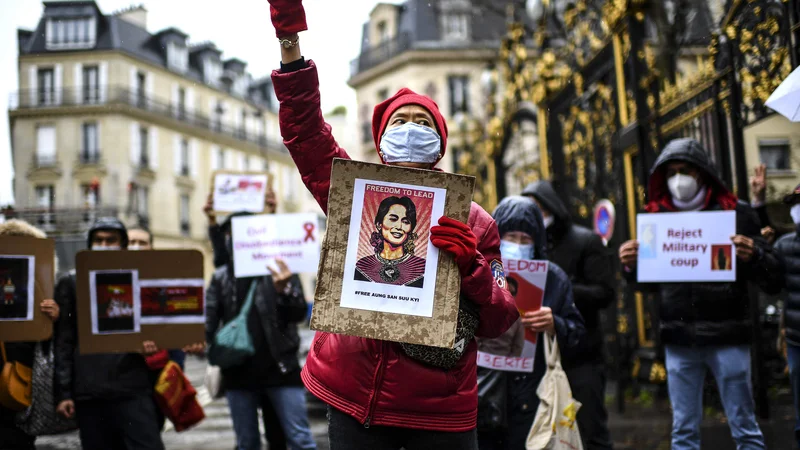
x=11 y=437
x=588 y=383
x=346 y=433
x=122 y=424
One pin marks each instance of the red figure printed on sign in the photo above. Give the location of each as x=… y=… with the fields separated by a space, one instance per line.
x=8 y=292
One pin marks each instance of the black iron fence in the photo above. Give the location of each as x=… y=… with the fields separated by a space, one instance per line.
x=115 y=95
x=383 y=52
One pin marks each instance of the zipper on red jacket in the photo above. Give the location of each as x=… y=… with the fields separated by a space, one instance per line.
x=378 y=379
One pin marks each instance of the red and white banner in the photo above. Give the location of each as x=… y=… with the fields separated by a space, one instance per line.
x=526 y=280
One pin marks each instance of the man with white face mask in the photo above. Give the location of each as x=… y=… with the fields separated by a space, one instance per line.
x=707 y=325
x=788 y=248
x=588 y=263
x=111 y=394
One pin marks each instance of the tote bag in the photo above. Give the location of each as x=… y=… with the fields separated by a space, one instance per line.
x=555 y=426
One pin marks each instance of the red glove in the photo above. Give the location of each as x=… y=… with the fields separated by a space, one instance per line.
x=288 y=17
x=457 y=238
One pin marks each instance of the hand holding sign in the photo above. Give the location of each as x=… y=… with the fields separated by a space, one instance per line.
x=745 y=247
x=280 y=275
x=629 y=254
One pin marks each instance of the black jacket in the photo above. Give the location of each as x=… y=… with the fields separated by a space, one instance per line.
x=98 y=376
x=788 y=249
x=279 y=314
x=589 y=265
x=217 y=238
x=705 y=314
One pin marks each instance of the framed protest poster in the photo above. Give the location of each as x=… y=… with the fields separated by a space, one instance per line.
x=258 y=240
x=240 y=191
x=125 y=298
x=379 y=276
x=526 y=280
x=27 y=275
x=686 y=247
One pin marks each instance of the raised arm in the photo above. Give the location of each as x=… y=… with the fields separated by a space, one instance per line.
x=296 y=84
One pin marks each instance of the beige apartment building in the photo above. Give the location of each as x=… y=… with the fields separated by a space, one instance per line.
x=112 y=119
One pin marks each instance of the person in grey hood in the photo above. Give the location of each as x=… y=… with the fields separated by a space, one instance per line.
x=706 y=325
x=589 y=265
x=523 y=236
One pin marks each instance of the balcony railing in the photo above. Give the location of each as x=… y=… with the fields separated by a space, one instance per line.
x=62 y=220
x=87 y=157
x=44 y=161
x=382 y=52
x=114 y=95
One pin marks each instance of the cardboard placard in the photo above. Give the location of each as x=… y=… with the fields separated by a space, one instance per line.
x=20 y=316
x=125 y=311
x=526 y=280
x=259 y=240
x=235 y=191
x=360 y=294
x=686 y=247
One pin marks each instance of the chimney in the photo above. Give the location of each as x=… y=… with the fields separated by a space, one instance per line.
x=135 y=14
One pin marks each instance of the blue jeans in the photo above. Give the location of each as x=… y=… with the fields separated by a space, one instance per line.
x=686 y=372
x=289 y=403
x=793 y=352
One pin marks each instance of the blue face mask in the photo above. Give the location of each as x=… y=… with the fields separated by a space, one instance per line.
x=511 y=250
x=411 y=143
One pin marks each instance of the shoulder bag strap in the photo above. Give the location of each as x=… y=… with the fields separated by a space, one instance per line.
x=248 y=301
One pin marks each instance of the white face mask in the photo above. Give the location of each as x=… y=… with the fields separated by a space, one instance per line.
x=134 y=247
x=682 y=187
x=548 y=221
x=105 y=247
x=512 y=250
x=411 y=142
x=795 y=213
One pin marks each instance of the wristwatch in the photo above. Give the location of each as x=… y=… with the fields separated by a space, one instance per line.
x=289 y=43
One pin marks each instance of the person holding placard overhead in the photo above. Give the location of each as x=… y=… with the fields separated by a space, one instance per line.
x=707 y=325
x=388 y=399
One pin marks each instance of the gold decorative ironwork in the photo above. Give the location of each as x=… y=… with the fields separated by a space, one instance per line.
x=685 y=88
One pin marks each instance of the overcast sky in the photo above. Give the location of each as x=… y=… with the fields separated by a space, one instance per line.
x=240 y=28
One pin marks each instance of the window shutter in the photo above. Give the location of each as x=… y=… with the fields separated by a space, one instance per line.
x=77 y=76
x=229 y=156
x=174 y=100
x=32 y=82
x=214 y=159
x=190 y=101
x=58 y=77
x=98 y=142
x=176 y=153
x=136 y=150
x=148 y=81
x=194 y=169
x=153 y=147
x=465 y=84
x=102 y=81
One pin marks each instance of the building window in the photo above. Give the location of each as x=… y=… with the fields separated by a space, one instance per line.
x=91 y=89
x=184 y=212
x=243 y=125
x=289 y=187
x=455 y=27
x=91 y=195
x=144 y=147
x=90 y=152
x=459 y=94
x=383 y=32
x=142 y=199
x=220 y=159
x=47 y=87
x=775 y=154
x=45 y=197
x=177 y=57
x=45 y=146
x=184 y=157
x=70 y=33
x=247 y=163
x=141 y=96
x=181 y=103
x=383 y=94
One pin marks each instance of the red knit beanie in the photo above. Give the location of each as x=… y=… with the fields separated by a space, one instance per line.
x=384 y=110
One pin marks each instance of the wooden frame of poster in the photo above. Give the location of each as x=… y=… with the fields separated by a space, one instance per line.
x=270 y=186
x=439 y=328
x=39 y=328
x=147 y=265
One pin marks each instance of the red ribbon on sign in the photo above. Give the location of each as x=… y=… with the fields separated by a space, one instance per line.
x=309 y=227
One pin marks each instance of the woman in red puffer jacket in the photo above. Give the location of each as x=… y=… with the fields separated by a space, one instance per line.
x=378 y=397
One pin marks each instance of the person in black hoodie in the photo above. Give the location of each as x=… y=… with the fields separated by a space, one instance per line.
x=11 y=436
x=111 y=394
x=271 y=377
x=589 y=265
x=522 y=234
x=707 y=325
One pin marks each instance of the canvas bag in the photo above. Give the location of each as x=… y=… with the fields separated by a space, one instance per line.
x=213 y=382
x=41 y=417
x=554 y=427
x=15 y=383
x=233 y=345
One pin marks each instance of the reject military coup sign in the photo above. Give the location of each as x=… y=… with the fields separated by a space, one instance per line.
x=686 y=246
